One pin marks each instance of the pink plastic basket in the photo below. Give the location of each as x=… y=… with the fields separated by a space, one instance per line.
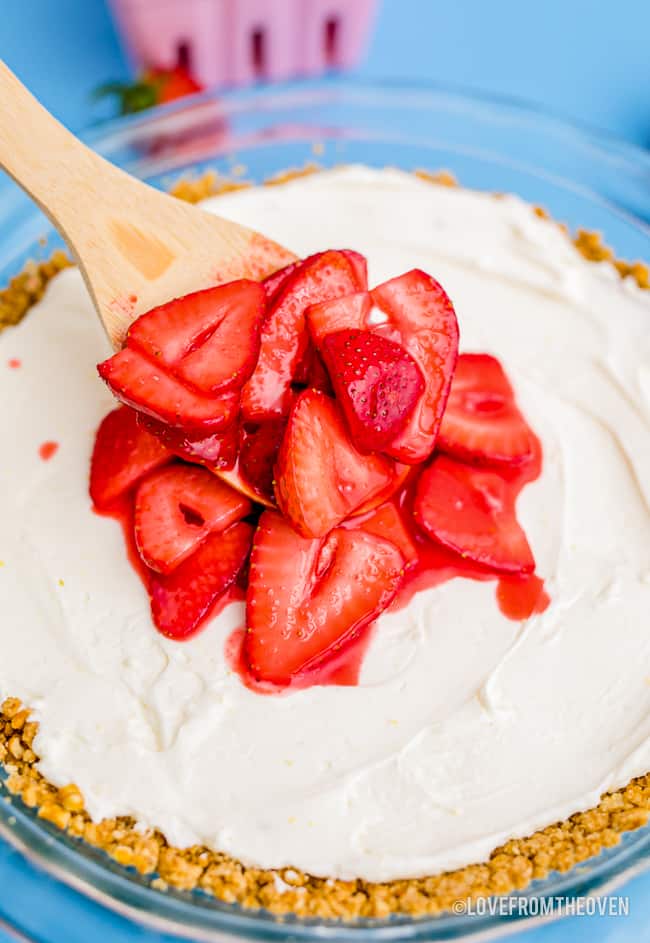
x=236 y=42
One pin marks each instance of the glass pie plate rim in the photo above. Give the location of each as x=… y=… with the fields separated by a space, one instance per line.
x=339 y=116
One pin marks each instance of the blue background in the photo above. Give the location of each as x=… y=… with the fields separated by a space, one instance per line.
x=587 y=60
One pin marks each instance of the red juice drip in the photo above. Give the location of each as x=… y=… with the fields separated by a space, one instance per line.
x=520 y=597
x=14 y=363
x=341 y=669
x=435 y=565
x=344 y=668
x=47 y=450
x=122 y=512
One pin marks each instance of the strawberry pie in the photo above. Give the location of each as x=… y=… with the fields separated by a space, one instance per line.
x=347 y=570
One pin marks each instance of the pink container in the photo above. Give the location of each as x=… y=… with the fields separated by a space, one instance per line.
x=236 y=42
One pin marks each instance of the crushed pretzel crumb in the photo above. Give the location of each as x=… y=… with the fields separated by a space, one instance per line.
x=444 y=178
x=195 y=189
x=26 y=288
x=292 y=174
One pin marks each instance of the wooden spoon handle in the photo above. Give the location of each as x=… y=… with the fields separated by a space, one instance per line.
x=40 y=154
x=136 y=247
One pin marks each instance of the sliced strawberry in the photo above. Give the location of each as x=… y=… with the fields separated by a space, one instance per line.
x=176 y=508
x=303 y=367
x=149 y=388
x=228 y=357
x=386 y=521
x=320 y=478
x=217 y=452
x=123 y=454
x=173 y=330
x=284 y=337
x=306 y=597
x=481 y=423
x=398 y=478
x=421 y=318
x=311 y=371
x=359 y=264
x=260 y=444
x=274 y=282
x=377 y=384
x=349 y=312
x=472 y=511
x=236 y=480
x=181 y=601
x=317 y=376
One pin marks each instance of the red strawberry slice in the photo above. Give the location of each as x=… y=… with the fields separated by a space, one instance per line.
x=306 y=597
x=260 y=444
x=176 y=508
x=182 y=601
x=311 y=371
x=216 y=452
x=386 y=521
x=304 y=366
x=360 y=265
x=350 y=312
x=398 y=478
x=320 y=478
x=317 y=376
x=274 y=282
x=147 y=387
x=175 y=331
x=236 y=480
x=377 y=384
x=472 y=511
x=284 y=337
x=123 y=454
x=481 y=423
x=227 y=358
x=423 y=319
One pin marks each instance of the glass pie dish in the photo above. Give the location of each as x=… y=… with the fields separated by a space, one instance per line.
x=580 y=178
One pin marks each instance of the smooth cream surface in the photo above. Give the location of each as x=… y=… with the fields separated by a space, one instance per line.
x=466 y=728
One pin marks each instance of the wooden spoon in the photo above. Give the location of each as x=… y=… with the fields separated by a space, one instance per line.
x=136 y=247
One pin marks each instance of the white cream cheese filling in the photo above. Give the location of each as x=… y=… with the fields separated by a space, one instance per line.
x=466 y=728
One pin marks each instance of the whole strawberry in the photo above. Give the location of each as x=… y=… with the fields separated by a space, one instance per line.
x=153 y=87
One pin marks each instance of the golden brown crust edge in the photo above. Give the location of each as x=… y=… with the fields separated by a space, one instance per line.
x=511 y=867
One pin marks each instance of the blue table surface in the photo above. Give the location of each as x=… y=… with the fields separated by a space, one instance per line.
x=584 y=60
